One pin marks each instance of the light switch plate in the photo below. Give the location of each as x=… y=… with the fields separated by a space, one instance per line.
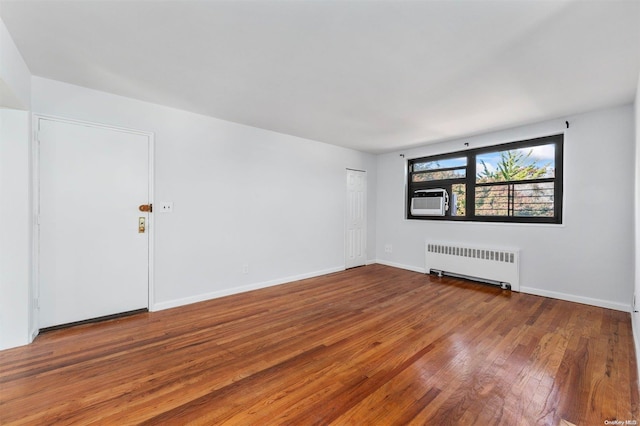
x=165 y=207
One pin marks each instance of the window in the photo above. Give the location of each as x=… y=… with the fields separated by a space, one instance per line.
x=513 y=182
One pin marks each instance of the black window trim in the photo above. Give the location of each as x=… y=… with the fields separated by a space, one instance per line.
x=470 y=181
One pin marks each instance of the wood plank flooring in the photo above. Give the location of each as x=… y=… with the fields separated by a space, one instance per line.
x=369 y=346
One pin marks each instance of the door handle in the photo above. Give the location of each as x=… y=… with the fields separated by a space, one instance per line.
x=142 y=225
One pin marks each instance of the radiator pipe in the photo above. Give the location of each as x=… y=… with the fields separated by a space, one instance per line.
x=440 y=273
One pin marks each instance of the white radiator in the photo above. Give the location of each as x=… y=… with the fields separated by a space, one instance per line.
x=499 y=266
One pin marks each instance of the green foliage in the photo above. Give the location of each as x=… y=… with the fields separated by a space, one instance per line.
x=530 y=199
x=461 y=200
x=438 y=175
x=513 y=165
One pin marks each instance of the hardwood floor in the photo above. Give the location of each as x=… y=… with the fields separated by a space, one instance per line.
x=369 y=346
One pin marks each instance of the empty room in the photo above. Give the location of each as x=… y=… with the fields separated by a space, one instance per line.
x=264 y=212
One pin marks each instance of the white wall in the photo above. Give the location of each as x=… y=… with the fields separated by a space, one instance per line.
x=588 y=259
x=241 y=195
x=15 y=195
x=15 y=78
x=15 y=228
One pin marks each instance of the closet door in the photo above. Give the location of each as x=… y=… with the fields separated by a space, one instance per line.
x=356 y=219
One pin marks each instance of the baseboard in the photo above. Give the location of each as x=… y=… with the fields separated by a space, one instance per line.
x=401 y=266
x=241 y=289
x=578 y=299
x=538 y=292
x=256 y=286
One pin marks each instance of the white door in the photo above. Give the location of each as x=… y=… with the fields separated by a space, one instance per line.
x=356 y=219
x=94 y=256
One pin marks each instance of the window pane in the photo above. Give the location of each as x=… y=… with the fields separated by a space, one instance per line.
x=522 y=200
x=459 y=208
x=439 y=175
x=536 y=162
x=492 y=200
x=533 y=199
x=440 y=164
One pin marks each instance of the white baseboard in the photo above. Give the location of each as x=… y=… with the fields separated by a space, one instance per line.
x=401 y=266
x=539 y=292
x=235 y=290
x=578 y=299
x=255 y=286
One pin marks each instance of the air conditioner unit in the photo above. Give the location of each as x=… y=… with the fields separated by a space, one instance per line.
x=430 y=202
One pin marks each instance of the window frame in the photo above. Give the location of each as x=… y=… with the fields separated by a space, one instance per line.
x=470 y=182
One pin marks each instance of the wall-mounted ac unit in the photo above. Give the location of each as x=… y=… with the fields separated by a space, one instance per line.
x=430 y=202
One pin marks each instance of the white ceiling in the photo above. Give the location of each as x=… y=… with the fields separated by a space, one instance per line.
x=370 y=75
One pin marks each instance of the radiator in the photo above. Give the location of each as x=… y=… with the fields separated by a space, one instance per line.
x=497 y=266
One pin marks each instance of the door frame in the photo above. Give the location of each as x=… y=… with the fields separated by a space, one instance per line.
x=35 y=171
